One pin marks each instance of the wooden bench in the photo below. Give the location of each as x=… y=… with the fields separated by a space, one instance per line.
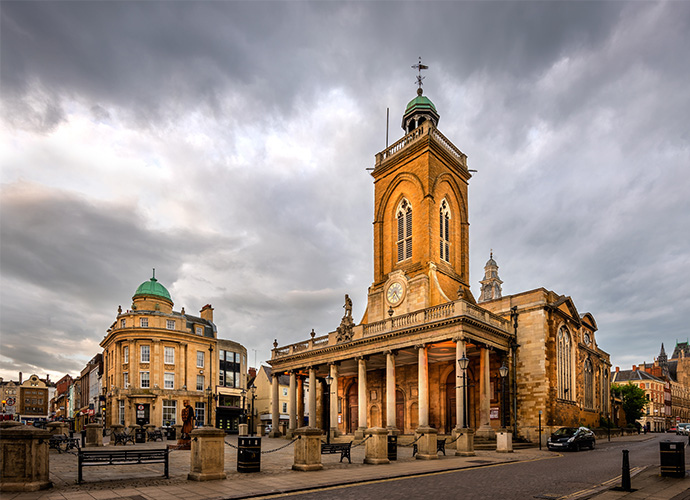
x=58 y=441
x=154 y=435
x=342 y=448
x=122 y=438
x=88 y=458
x=440 y=446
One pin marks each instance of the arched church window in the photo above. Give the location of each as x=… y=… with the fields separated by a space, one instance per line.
x=404 y=216
x=564 y=365
x=589 y=384
x=444 y=221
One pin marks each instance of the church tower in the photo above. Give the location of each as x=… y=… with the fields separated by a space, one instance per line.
x=421 y=228
x=491 y=284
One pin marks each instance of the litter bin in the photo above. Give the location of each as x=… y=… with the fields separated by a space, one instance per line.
x=392 y=447
x=672 y=458
x=171 y=434
x=140 y=435
x=248 y=454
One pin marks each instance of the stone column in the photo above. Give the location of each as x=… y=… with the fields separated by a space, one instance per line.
x=390 y=394
x=208 y=454
x=312 y=397
x=423 y=386
x=94 y=435
x=275 y=408
x=292 y=405
x=361 y=398
x=300 y=402
x=25 y=459
x=460 y=386
x=376 y=451
x=308 y=449
x=484 y=429
x=333 y=389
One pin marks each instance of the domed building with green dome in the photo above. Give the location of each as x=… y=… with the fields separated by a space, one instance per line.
x=155 y=358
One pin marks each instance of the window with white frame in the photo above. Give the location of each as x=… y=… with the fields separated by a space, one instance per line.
x=121 y=411
x=199 y=382
x=125 y=354
x=199 y=330
x=169 y=355
x=564 y=364
x=125 y=380
x=170 y=324
x=444 y=220
x=169 y=380
x=123 y=323
x=200 y=355
x=143 y=322
x=404 y=243
x=145 y=353
x=144 y=380
x=200 y=414
x=169 y=412
x=285 y=391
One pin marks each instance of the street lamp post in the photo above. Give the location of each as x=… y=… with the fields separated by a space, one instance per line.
x=463 y=363
x=253 y=389
x=329 y=381
x=503 y=371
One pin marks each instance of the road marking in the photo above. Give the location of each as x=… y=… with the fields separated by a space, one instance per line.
x=603 y=486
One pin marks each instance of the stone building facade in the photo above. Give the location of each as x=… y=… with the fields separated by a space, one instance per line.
x=155 y=358
x=425 y=357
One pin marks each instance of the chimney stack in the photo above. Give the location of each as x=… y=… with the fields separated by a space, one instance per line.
x=207 y=313
x=618 y=368
x=634 y=368
x=20 y=378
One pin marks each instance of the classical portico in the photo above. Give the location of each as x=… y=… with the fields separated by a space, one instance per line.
x=389 y=364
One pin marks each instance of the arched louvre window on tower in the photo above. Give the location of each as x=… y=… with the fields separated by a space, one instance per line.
x=404 y=216
x=444 y=221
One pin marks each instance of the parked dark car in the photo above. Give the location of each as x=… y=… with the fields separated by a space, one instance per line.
x=571 y=438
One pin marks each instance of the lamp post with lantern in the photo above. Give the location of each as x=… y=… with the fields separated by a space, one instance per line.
x=503 y=371
x=329 y=381
x=463 y=363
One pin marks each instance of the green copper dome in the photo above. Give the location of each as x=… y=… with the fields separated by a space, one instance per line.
x=421 y=102
x=152 y=287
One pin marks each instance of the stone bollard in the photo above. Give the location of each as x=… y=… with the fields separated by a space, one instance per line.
x=244 y=430
x=426 y=445
x=208 y=454
x=94 y=435
x=464 y=446
x=261 y=429
x=504 y=441
x=57 y=428
x=376 y=446
x=24 y=458
x=308 y=449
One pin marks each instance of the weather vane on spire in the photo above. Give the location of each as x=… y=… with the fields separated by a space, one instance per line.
x=420 y=67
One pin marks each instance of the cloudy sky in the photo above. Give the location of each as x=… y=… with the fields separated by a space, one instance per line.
x=226 y=145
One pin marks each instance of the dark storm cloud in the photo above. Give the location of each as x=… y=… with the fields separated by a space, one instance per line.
x=574 y=113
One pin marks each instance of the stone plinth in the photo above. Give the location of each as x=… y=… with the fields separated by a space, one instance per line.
x=376 y=446
x=244 y=430
x=308 y=449
x=6 y=424
x=24 y=459
x=261 y=429
x=57 y=428
x=94 y=435
x=464 y=446
x=207 y=461
x=426 y=446
x=504 y=441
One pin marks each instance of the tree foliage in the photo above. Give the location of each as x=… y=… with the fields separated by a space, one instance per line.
x=633 y=400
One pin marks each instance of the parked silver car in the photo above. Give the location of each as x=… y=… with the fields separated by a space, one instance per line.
x=683 y=429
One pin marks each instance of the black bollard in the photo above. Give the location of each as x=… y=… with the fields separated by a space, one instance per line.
x=625 y=475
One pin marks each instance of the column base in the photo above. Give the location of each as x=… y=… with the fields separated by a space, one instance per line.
x=426 y=445
x=305 y=467
x=485 y=432
x=210 y=476
x=289 y=433
x=275 y=434
x=464 y=446
x=359 y=433
x=376 y=461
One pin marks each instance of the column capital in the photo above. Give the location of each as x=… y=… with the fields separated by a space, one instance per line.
x=420 y=346
x=459 y=338
x=362 y=358
x=392 y=352
x=334 y=363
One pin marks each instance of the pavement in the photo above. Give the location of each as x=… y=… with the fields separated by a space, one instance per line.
x=146 y=482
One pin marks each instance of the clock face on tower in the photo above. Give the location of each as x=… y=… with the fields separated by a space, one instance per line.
x=395 y=293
